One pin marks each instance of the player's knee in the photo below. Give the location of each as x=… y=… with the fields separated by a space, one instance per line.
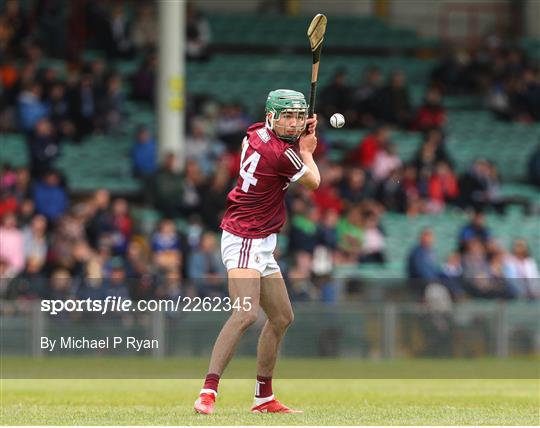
x=283 y=321
x=245 y=318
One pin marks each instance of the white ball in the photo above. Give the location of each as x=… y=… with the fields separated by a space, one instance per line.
x=337 y=120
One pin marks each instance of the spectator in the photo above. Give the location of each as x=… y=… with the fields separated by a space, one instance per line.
x=301 y=287
x=364 y=155
x=11 y=245
x=363 y=99
x=84 y=106
x=451 y=74
x=213 y=203
x=327 y=196
x=166 y=246
x=44 y=148
x=67 y=235
x=386 y=161
x=193 y=184
x=122 y=226
x=336 y=97
x=327 y=233
x=193 y=232
x=8 y=177
x=411 y=191
x=117 y=40
x=350 y=236
x=231 y=125
x=50 y=197
x=391 y=192
x=442 y=188
x=52 y=25
x=329 y=290
x=31 y=108
x=138 y=261
x=92 y=286
x=501 y=275
x=61 y=285
x=431 y=151
x=422 y=263
x=324 y=253
x=355 y=189
x=15 y=27
x=198 y=34
x=474 y=185
x=144 y=153
x=26 y=212
x=112 y=105
x=303 y=230
x=8 y=203
x=201 y=147
x=475 y=229
x=81 y=258
x=22 y=185
x=171 y=287
x=144 y=80
x=10 y=81
x=451 y=275
x=431 y=114
x=499 y=101
x=393 y=104
x=35 y=240
x=525 y=270
x=60 y=112
x=483 y=278
x=30 y=284
x=205 y=267
x=145 y=29
x=168 y=188
x=99 y=218
x=373 y=245
x=47 y=77
x=99 y=74
x=115 y=285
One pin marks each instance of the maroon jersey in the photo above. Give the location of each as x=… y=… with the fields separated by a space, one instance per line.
x=256 y=207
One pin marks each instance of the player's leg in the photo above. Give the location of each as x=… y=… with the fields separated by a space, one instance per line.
x=276 y=304
x=244 y=285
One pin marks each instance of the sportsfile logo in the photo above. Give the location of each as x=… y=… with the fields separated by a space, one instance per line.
x=119 y=304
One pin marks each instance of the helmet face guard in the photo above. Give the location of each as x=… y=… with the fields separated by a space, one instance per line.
x=286 y=114
x=292 y=126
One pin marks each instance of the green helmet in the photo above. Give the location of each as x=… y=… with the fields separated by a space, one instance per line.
x=291 y=101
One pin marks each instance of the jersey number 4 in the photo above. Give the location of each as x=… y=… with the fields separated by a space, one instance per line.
x=247 y=167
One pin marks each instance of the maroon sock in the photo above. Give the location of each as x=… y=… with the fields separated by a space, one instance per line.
x=211 y=381
x=263 y=388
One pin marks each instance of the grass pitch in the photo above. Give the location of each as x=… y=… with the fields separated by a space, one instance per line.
x=324 y=401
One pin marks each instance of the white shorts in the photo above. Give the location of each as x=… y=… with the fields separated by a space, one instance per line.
x=246 y=253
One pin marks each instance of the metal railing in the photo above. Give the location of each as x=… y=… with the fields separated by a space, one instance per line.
x=375 y=330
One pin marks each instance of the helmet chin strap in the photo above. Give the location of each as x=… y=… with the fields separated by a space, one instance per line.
x=269 y=123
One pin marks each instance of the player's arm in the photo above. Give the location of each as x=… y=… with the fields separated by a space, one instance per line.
x=307 y=145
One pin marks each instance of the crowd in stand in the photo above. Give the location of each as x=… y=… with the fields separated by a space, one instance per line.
x=60 y=247
x=480 y=267
x=509 y=80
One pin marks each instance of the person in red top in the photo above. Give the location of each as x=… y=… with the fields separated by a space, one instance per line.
x=275 y=154
x=443 y=186
x=364 y=155
x=431 y=114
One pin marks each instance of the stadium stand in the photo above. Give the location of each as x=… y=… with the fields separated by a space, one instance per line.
x=101 y=159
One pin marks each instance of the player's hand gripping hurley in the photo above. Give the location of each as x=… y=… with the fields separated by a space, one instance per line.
x=315 y=34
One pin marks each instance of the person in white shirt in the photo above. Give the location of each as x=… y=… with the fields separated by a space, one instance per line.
x=525 y=269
